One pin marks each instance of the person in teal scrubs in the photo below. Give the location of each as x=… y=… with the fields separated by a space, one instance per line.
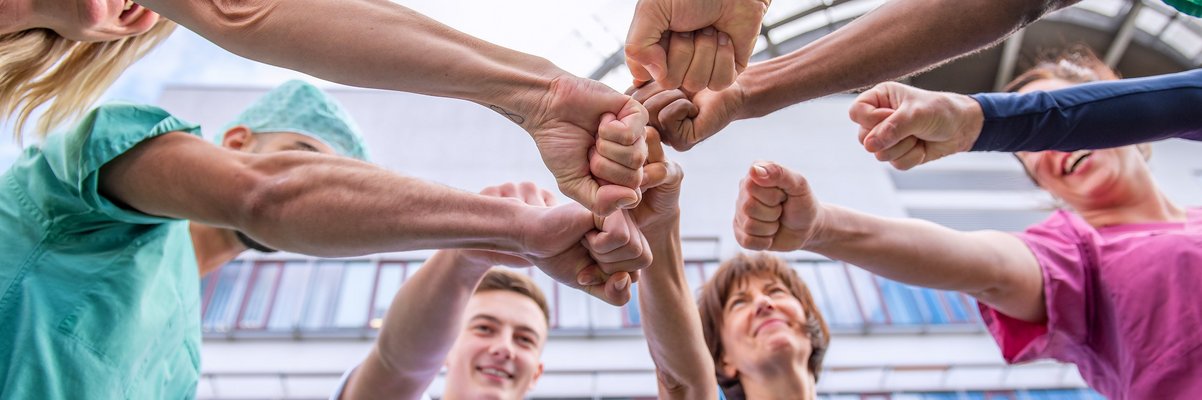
x=100 y=276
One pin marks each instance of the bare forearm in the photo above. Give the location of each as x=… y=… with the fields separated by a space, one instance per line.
x=332 y=207
x=672 y=325
x=368 y=43
x=897 y=39
x=995 y=267
x=414 y=341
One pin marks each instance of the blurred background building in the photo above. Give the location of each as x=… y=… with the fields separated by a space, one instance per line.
x=285 y=326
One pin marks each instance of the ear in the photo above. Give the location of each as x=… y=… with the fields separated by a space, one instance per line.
x=1146 y=150
x=727 y=369
x=238 y=138
x=534 y=379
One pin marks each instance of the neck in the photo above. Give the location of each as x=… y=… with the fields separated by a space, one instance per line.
x=1150 y=205
x=214 y=246
x=790 y=383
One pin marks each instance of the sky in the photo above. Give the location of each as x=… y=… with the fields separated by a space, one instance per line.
x=575 y=35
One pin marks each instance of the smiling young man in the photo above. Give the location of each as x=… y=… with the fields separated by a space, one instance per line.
x=486 y=325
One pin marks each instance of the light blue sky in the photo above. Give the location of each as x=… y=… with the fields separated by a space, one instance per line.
x=574 y=35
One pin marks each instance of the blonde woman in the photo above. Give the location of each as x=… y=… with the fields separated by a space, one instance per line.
x=65 y=55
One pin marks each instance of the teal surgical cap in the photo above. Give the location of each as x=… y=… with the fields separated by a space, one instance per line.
x=299 y=107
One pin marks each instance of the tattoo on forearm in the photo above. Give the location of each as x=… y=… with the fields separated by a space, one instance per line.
x=517 y=119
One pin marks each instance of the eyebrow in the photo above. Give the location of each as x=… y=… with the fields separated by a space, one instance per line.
x=519 y=327
x=306 y=147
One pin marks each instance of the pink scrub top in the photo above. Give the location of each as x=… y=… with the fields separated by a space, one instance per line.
x=1124 y=304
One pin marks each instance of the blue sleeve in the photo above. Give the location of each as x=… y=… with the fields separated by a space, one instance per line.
x=1094 y=115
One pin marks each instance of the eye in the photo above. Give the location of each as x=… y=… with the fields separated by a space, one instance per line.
x=483 y=329
x=777 y=290
x=526 y=341
x=736 y=302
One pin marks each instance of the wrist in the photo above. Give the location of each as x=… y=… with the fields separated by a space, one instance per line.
x=971 y=120
x=820 y=233
x=521 y=93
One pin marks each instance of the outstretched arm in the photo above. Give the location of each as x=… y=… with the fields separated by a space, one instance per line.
x=414 y=341
x=897 y=39
x=777 y=211
x=331 y=206
x=908 y=126
x=380 y=44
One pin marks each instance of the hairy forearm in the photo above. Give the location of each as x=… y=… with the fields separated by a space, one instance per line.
x=414 y=341
x=332 y=207
x=672 y=324
x=369 y=43
x=897 y=39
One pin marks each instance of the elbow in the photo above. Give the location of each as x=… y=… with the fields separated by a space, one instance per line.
x=234 y=18
x=263 y=198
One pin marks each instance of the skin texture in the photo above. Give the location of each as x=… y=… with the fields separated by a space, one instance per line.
x=79 y=20
x=907 y=126
x=412 y=53
x=670 y=319
x=896 y=39
x=328 y=206
x=777 y=210
x=766 y=345
x=659 y=45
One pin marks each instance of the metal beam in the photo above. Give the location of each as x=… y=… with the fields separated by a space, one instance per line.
x=1005 y=68
x=1122 y=38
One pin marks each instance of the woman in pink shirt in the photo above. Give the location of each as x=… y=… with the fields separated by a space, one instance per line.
x=1111 y=283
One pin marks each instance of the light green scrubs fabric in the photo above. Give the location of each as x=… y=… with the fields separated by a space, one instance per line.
x=96 y=301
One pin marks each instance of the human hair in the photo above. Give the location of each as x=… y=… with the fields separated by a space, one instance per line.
x=735 y=272
x=1075 y=64
x=506 y=280
x=41 y=67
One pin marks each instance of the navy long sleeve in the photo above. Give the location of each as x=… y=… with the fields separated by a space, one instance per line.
x=1094 y=115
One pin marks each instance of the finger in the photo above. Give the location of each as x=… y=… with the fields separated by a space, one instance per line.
x=610 y=198
x=724 y=64
x=655 y=149
x=612 y=235
x=549 y=198
x=912 y=158
x=626 y=131
x=889 y=132
x=752 y=242
x=530 y=194
x=591 y=275
x=768 y=195
x=614 y=173
x=680 y=53
x=644 y=56
x=615 y=291
x=755 y=227
x=868 y=116
x=631 y=157
x=705 y=47
x=755 y=209
x=770 y=174
x=677 y=122
x=898 y=150
x=656 y=104
x=492 y=191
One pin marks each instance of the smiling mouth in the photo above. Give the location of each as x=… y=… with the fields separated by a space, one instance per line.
x=495 y=373
x=1072 y=162
x=767 y=324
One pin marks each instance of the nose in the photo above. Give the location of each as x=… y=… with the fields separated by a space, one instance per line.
x=764 y=304
x=501 y=349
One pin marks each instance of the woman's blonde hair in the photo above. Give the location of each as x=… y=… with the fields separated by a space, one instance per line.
x=41 y=67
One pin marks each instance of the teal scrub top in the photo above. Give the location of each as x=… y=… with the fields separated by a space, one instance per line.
x=96 y=301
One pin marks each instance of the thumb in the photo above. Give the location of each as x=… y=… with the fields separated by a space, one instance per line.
x=645 y=57
x=770 y=174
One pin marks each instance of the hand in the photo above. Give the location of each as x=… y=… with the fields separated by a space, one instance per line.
x=555 y=240
x=683 y=122
x=907 y=126
x=660 y=208
x=732 y=25
x=775 y=210
x=600 y=171
x=528 y=194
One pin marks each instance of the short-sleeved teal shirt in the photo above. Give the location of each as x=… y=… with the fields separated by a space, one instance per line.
x=96 y=301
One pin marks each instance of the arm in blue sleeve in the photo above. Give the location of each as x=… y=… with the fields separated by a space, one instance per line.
x=1094 y=115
